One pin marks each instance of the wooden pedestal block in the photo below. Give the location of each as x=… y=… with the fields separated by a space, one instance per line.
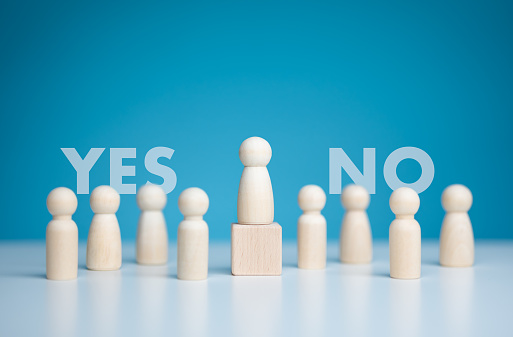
x=256 y=249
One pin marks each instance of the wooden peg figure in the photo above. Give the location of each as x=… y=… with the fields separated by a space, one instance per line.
x=355 y=233
x=256 y=239
x=192 y=258
x=61 y=235
x=311 y=228
x=255 y=203
x=404 y=235
x=104 y=239
x=457 y=236
x=152 y=240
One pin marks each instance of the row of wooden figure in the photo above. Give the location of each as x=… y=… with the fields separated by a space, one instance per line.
x=104 y=239
x=456 y=237
x=256 y=240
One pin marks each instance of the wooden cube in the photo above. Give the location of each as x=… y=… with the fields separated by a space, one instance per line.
x=256 y=249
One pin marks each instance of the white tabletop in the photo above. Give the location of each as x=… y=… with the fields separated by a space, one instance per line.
x=341 y=300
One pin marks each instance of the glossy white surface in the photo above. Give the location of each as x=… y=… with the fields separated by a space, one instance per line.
x=341 y=300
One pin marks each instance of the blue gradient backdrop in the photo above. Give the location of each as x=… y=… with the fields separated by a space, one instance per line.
x=200 y=77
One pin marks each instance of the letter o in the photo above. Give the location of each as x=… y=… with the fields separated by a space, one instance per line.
x=390 y=168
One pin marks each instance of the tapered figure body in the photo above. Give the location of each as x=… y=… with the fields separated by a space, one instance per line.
x=256 y=239
x=311 y=229
x=61 y=235
x=404 y=235
x=192 y=257
x=457 y=236
x=104 y=239
x=255 y=203
x=355 y=233
x=152 y=240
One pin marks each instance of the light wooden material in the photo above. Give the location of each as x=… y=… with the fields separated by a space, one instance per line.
x=255 y=203
x=457 y=236
x=104 y=239
x=152 y=239
x=404 y=235
x=355 y=233
x=192 y=257
x=256 y=249
x=61 y=235
x=311 y=229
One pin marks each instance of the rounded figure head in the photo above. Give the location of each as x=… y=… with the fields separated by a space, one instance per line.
x=404 y=201
x=104 y=200
x=255 y=152
x=355 y=197
x=61 y=201
x=457 y=198
x=151 y=198
x=311 y=198
x=193 y=202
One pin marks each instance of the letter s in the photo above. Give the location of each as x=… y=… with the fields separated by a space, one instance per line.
x=152 y=165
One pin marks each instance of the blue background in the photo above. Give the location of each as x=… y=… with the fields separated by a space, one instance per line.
x=200 y=77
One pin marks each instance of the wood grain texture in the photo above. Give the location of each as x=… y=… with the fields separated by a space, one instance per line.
x=405 y=235
x=192 y=239
x=356 y=238
x=104 y=239
x=311 y=241
x=311 y=228
x=61 y=250
x=152 y=238
x=192 y=250
x=457 y=235
x=456 y=241
x=61 y=236
x=405 y=249
x=255 y=201
x=104 y=243
x=355 y=233
x=256 y=249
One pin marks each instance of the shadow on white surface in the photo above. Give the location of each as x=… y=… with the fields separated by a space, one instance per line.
x=356 y=296
x=457 y=287
x=312 y=302
x=103 y=295
x=192 y=304
x=256 y=305
x=346 y=300
x=405 y=303
x=152 y=290
x=62 y=308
